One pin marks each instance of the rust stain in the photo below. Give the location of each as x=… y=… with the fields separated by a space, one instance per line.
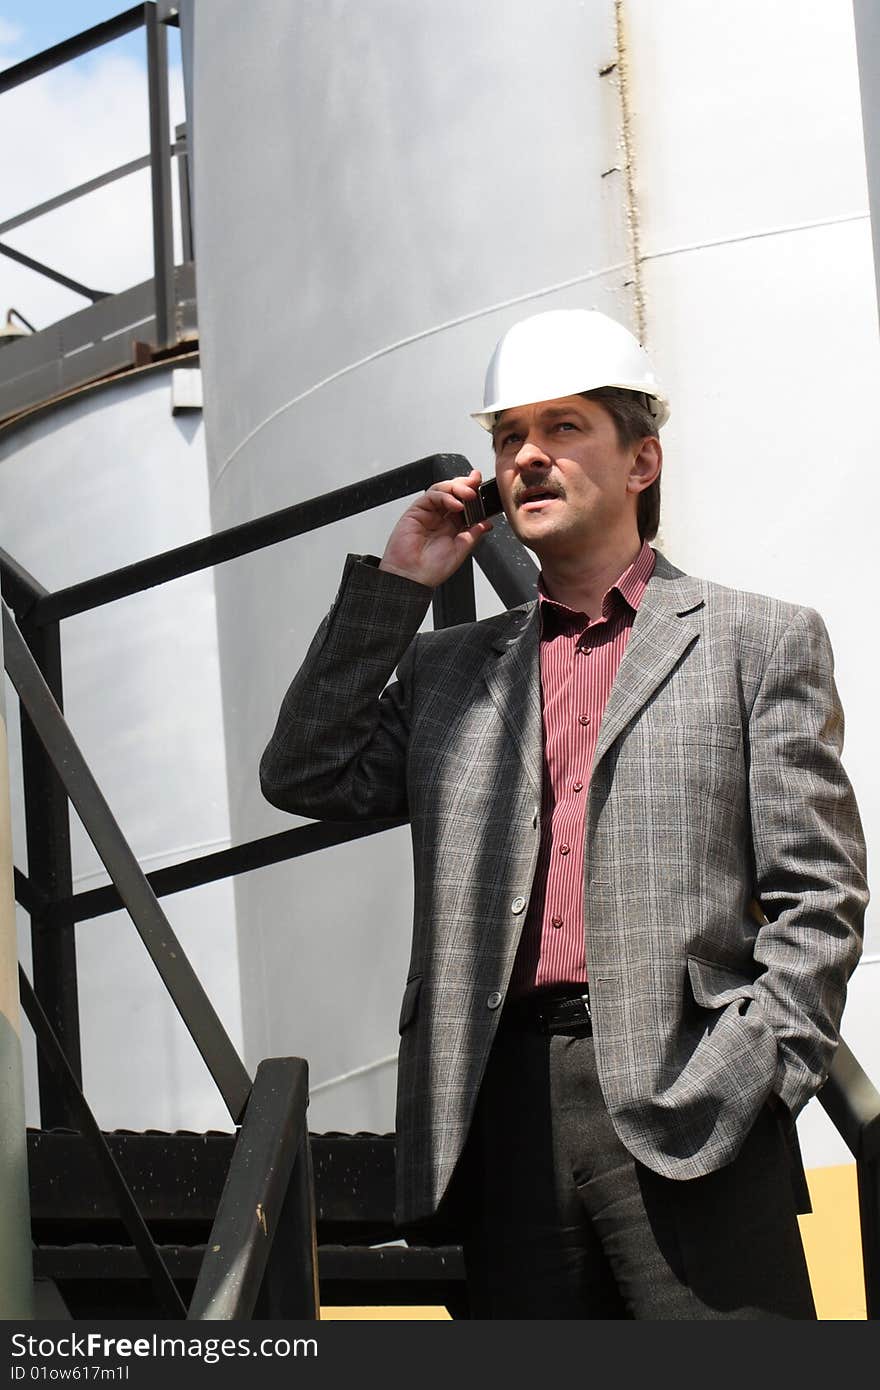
x=628 y=143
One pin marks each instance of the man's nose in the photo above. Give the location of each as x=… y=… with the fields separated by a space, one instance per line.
x=531 y=455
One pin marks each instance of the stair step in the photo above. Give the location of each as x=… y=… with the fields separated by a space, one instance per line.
x=82 y=1248
x=370 y=1263
x=177 y=1178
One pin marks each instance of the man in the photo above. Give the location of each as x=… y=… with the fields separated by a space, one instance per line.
x=639 y=866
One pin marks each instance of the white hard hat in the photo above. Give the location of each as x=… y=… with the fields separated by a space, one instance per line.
x=561 y=353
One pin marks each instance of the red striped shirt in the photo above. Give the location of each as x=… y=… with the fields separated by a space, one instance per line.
x=579 y=660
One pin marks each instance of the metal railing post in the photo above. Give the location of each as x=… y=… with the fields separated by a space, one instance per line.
x=290 y=1287
x=261 y=1257
x=852 y=1103
x=868 y=1175
x=160 y=173
x=181 y=142
x=455 y=601
x=53 y=943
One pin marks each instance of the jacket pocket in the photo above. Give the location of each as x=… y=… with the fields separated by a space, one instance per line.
x=715 y=985
x=410 y=1003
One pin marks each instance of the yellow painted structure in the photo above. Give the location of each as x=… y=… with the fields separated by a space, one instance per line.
x=833 y=1244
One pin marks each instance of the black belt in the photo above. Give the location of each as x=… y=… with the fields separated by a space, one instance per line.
x=550 y=1013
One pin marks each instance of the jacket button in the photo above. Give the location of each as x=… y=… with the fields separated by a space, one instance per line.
x=517 y=905
x=494 y=999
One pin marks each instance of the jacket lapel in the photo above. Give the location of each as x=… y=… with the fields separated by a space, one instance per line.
x=513 y=677
x=667 y=622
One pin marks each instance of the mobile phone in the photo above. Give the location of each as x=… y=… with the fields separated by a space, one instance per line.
x=486 y=503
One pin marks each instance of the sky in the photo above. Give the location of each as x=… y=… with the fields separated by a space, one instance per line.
x=64 y=127
x=41 y=23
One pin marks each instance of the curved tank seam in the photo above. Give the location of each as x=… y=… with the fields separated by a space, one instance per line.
x=349 y=1075
x=755 y=236
x=156 y=856
x=406 y=342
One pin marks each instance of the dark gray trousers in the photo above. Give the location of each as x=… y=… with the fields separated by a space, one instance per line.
x=564 y=1223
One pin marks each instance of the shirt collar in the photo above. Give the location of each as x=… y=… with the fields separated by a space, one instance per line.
x=629 y=586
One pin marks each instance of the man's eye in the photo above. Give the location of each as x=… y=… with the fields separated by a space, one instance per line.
x=508 y=439
x=566 y=425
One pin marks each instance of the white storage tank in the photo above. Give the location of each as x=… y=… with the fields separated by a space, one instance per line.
x=107 y=476
x=364 y=233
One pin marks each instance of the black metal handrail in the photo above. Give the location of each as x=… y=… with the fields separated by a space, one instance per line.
x=39 y=613
x=109 y=29
x=250 y=1268
x=506 y=566
x=31 y=655
x=209 y=868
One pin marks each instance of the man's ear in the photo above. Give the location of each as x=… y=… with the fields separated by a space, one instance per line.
x=646 y=465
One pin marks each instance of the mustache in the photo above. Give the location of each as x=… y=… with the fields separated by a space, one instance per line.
x=525 y=485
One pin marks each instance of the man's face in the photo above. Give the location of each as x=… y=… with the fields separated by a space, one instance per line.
x=564 y=480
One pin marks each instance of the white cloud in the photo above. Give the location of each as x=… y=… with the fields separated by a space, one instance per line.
x=57 y=131
x=10 y=41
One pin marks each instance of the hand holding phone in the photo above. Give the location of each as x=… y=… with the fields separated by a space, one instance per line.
x=486 y=503
x=432 y=539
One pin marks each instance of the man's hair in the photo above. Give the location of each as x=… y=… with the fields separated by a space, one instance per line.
x=633 y=420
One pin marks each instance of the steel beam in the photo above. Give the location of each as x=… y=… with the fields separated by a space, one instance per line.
x=47 y=828
x=160 y=177
x=50 y=274
x=72 y=48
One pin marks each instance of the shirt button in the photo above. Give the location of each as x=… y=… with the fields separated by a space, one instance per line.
x=517 y=905
x=583 y=719
x=565 y=849
x=494 y=999
x=578 y=786
x=557 y=921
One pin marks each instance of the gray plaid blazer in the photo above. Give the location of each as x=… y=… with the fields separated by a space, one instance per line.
x=724 y=891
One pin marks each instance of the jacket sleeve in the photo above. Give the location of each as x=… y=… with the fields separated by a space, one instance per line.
x=339 y=747
x=810 y=857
